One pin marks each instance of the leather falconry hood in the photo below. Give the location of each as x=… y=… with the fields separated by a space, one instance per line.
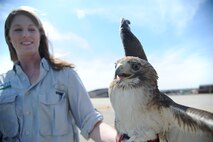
x=131 y=44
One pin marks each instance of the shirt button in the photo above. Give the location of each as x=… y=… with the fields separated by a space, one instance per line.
x=28 y=112
x=27 y=133
x=27 y=93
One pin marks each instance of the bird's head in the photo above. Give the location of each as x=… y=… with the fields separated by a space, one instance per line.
x=133 y=71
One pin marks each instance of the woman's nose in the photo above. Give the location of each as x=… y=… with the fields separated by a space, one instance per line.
x=26 y=33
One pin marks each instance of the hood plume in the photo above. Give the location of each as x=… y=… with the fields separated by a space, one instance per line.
x=131 y=44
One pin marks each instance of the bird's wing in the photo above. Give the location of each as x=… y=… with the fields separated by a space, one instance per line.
x=131 y=44
x=186 y=123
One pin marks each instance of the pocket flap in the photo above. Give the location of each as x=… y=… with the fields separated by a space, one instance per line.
x=52 y=99
x=54 y=95
x=7 y=98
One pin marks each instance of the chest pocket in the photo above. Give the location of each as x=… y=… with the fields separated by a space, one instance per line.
x=8 y=118
x=54 y=112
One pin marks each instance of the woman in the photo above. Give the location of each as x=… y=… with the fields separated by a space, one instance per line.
x=43 y=99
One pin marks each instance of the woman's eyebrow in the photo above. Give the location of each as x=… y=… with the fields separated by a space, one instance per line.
x=18 y=25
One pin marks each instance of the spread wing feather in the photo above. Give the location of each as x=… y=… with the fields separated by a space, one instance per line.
x=186 y=123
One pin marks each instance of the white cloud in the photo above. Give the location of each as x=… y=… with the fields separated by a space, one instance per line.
x=156 y=15
x=178 y=13
x=95 y=73
x=163 y=14
x=6 y=64
x=54 y=35
x=80 y=13
x=176 y=70
x=83 y=12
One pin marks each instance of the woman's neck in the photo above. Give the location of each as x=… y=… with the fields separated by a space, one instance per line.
x=31 y=67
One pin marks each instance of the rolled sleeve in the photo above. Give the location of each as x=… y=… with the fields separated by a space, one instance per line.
x=81 y=106
x=89 y=123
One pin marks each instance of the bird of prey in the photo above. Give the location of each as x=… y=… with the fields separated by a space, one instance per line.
x=142 y=112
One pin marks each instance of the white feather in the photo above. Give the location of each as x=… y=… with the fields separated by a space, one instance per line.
x=141 y=122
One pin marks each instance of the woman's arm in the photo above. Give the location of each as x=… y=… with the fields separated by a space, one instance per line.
x=103 y=132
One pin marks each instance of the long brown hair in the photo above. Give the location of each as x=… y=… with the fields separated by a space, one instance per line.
x=56 y=64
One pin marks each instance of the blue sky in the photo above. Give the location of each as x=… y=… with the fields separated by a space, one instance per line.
x=177 y=37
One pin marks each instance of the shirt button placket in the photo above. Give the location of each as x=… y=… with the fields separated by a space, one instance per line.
x=27 y=133
x=27 y=93
x=28 y=112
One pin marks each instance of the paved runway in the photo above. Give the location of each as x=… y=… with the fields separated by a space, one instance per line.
x=201 y=101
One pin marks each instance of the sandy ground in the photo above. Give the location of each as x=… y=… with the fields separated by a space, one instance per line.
x=204 y=101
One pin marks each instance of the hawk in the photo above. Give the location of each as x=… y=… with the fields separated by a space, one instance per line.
x=142 y=112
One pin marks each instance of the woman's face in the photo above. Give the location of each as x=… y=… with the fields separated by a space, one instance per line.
x=24 y=36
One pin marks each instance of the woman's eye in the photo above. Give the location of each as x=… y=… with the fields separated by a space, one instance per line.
x=31 y=29
x=18 y=30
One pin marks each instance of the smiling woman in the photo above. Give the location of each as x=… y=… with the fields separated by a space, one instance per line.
x=43 y=99
x=27 y=41
x=18 y=25
x=24 y=37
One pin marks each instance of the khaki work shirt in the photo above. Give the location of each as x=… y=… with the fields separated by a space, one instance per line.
x=49 y=110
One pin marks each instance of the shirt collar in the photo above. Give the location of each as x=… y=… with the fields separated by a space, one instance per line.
x=44 y=64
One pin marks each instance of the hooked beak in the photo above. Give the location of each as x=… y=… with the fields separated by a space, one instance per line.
x=120 y=73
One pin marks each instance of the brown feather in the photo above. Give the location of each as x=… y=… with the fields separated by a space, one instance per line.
x=136 y=83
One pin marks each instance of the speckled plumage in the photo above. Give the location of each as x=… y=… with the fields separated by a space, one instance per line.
x=144 y=113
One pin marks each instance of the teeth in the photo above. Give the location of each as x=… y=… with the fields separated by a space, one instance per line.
x=26 y=43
